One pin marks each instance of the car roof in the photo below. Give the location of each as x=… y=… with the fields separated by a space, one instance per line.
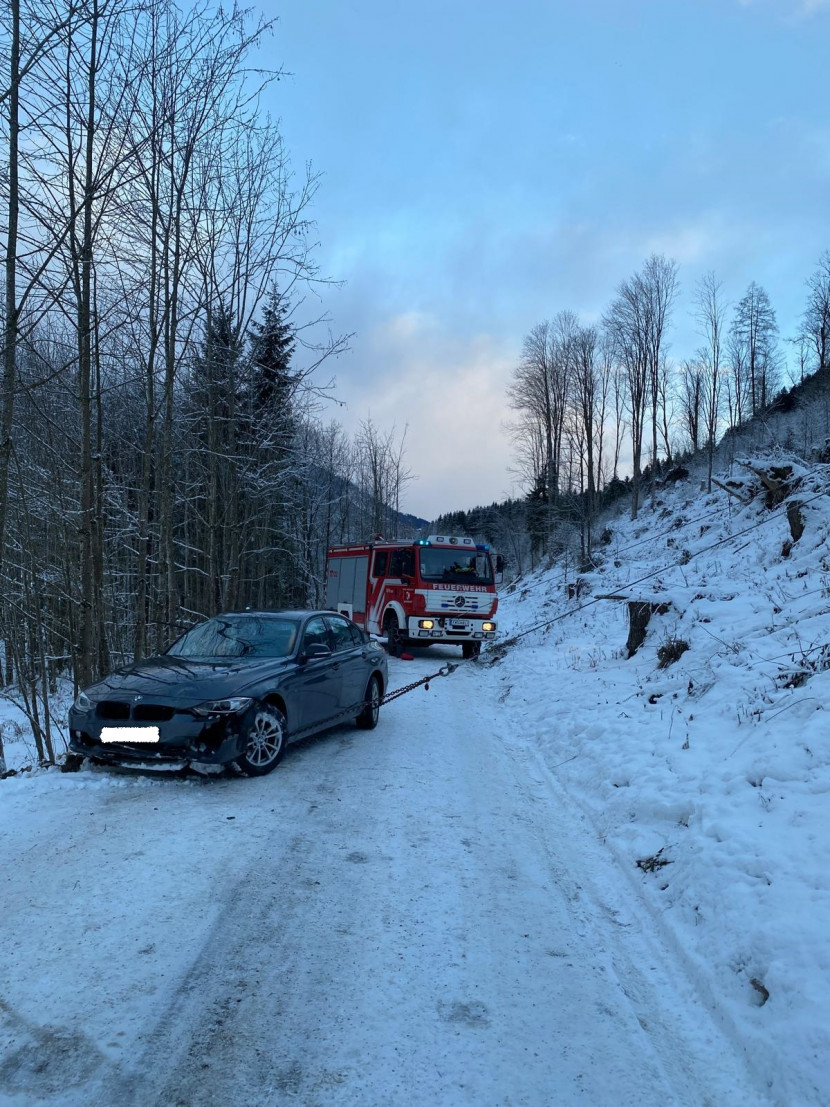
x=278 y=614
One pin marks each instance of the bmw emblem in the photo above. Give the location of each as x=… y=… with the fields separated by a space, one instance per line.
x=138 y=698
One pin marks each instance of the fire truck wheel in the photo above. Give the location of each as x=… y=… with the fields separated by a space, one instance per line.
x=470 y=649
x=368 y=717
x=392 y=634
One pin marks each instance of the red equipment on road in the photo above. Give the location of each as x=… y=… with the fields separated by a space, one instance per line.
x=436 y=589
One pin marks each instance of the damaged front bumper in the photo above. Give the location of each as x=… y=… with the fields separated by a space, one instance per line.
x=183 y=740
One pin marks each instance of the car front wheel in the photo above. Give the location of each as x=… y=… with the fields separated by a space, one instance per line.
x=264 y=733
x=368 y=717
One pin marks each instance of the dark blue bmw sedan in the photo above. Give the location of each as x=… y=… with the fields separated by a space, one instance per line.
x=236 y=688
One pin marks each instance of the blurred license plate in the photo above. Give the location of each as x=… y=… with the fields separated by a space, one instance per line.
x=461 y=624
x=130 y=734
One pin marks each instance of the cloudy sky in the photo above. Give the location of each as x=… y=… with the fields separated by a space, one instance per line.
x=487 y=164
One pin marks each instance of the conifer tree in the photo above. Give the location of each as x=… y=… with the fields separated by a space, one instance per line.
x=271 y=380
x=754 y=338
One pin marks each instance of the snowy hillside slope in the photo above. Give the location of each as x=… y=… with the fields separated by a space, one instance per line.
x=797 y=420
x=709 y=779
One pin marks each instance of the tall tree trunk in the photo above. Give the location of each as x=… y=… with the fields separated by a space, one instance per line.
x=89 y=615
x=10 y=322
x=102 y=660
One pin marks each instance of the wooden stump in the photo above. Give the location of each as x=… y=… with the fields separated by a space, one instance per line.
x=795 y=517
x=639 y=614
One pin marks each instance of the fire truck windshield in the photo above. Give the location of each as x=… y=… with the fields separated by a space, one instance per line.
x=455 y=566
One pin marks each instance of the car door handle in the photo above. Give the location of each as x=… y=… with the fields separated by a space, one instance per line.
x=336 y=666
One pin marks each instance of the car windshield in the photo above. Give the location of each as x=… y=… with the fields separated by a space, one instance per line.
x=238 y=636
x=456 y=566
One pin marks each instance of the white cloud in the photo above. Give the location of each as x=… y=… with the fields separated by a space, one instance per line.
x=703 y=241
x=450 y=394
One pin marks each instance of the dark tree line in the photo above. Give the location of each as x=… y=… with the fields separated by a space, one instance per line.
x=161 y=455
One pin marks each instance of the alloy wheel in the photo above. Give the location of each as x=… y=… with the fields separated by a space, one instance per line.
x=265 y=740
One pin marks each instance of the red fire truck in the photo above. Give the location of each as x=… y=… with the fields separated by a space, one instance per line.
x=436 y=589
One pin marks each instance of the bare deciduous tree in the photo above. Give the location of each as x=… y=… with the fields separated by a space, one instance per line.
x=691 y=400
x=628 y=323
x=587 y=398
x=539 y=392
x=710 y=310
x=659 y=285
x=815 y=322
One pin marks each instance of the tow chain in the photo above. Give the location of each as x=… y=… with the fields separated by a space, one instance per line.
x=356 y=708
x=445 y=670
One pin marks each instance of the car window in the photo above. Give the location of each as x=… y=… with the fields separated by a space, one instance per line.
x=341 y=633
x=316 y=631
x=238 y=636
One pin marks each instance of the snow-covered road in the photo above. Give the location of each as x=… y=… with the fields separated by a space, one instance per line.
x=415 y=915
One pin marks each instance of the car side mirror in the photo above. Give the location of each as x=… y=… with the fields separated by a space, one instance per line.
x=315 y=650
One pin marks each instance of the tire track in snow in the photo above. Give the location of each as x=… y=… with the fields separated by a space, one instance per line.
x=697 y=1048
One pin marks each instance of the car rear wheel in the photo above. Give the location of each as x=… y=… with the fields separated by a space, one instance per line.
x=264 y=731
x=368 y=717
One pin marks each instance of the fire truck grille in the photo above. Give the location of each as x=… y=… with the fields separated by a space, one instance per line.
x=469 y=602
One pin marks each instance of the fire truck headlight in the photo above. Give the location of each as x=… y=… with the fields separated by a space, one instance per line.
x=426 y=624
x=488 y=627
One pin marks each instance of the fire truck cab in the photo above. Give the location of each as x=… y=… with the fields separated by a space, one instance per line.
x=436 y=589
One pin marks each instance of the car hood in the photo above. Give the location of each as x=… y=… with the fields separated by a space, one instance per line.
x=182 y=681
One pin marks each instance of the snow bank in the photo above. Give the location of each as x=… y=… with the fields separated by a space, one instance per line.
x=19 y=748
x=712 y=772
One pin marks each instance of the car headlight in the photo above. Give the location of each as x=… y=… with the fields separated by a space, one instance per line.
x=487 y=627
x=232 y=706
x=83 y=702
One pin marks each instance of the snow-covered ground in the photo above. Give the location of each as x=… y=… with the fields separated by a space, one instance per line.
x=448 y=910
x=410 y=916
x=718 y=765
